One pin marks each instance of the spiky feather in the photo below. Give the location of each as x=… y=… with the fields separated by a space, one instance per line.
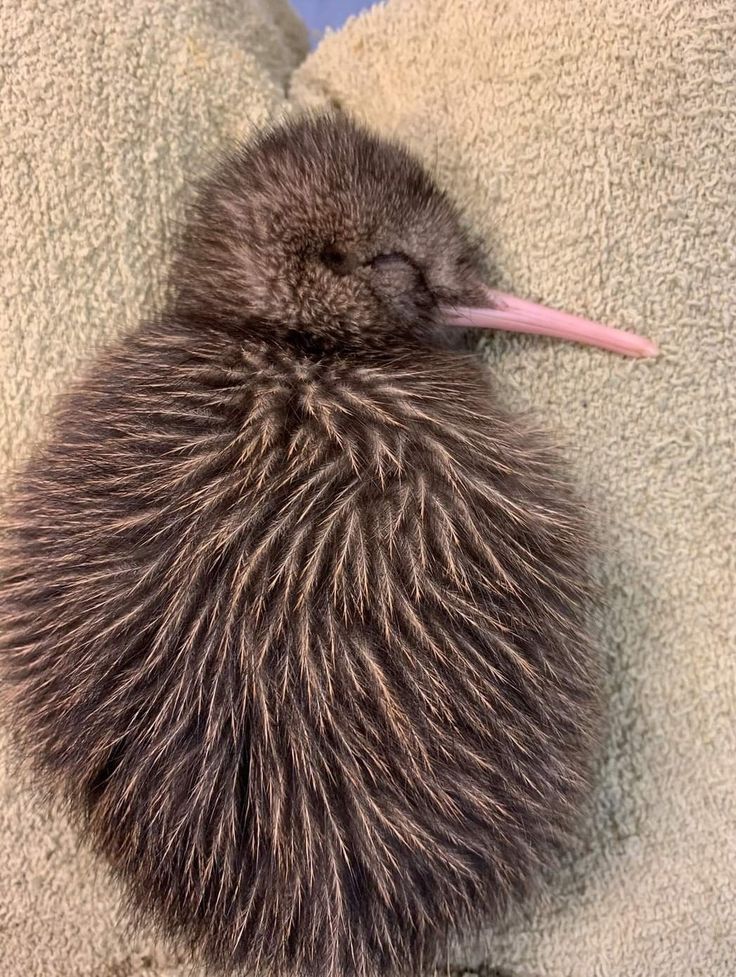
x=300 y=638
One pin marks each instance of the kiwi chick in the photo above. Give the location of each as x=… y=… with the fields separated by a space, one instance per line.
x=293 y=614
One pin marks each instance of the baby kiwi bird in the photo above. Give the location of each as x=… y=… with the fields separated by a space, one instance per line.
x=292 y=613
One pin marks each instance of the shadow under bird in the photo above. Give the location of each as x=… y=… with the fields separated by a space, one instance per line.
x=293 y=613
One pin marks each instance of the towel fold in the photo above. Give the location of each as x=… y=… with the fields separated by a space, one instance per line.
x=592 y=143
x=107 y=110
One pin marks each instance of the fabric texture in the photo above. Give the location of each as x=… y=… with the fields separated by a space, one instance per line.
x=591 y=144
x=107 y=111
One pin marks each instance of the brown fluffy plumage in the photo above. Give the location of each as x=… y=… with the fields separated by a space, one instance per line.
x=293 y=614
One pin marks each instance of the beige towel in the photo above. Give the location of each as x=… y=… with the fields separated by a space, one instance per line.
x=107 y=107
x=593 y=144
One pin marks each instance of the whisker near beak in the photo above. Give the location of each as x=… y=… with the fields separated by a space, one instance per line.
x=517 y=315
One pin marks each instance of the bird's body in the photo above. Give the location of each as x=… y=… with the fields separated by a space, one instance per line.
x=296 y=626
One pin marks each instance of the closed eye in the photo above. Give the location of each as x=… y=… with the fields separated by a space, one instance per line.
x=388 y=259
x=392 y=259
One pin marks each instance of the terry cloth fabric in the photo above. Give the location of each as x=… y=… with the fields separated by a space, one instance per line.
x=592 y=144
x=107 y=110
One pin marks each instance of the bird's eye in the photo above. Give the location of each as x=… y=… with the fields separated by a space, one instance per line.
x=388 y=259
x=337 y=261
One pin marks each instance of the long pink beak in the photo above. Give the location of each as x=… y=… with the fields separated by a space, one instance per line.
x=517 y=315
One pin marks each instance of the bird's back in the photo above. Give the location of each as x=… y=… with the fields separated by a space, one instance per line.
x=306 y=636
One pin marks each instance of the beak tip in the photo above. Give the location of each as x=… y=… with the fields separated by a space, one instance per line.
x=649 y=350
